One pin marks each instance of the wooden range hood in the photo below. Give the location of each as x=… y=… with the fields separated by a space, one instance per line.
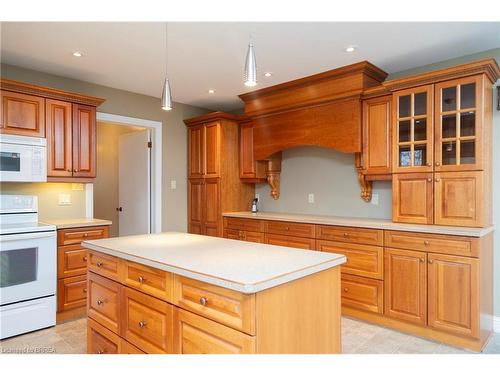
x=323 y=110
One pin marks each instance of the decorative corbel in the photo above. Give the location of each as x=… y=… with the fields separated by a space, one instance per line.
x=273 y=172
x=366 y=186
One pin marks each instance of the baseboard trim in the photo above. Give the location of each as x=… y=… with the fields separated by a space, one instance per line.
x=496 y=324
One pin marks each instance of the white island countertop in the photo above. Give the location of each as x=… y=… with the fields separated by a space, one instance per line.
x=242 y=266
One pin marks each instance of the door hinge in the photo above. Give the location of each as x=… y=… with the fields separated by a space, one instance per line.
x=150 y=144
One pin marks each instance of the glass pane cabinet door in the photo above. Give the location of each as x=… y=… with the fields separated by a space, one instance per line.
x=457 y=132
x=413 y=129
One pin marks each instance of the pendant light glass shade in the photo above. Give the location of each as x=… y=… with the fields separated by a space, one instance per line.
x=250 y=67
x=166 y=96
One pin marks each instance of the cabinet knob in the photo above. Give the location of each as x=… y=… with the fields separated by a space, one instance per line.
x=142 y=324
x=141 y=279
x=422 y=260
x=429 y=164
x=100 y=302
x=100 y=351
x=75 y=170
x=346 y=290
x=68 y=170
x=85 y=290
x=204 y=301
x=84 y=259
x=437 y=180
x=99 y=264
x=287 y=228
x=430 y=261
x=85 y=235
x=429 y=179
x=346 y=234
x=426 y=243
x=438 y=164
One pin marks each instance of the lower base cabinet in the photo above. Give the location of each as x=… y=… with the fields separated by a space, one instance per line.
x=72 y=293
x=363 y=293
x=101 y=340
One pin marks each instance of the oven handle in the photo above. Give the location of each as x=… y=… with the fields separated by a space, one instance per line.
x=26 y=236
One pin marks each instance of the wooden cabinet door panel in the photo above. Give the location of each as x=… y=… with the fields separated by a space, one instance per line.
x=289 y=241
x=363 y=236
x=453 y=294
x=237 y=223
x=195 y=206
x=197 y=335
x=196 y=151
x=253 y=236
x=71 y=293
x=75 y=236
x=152 y=281
x=100 y=340
x=71 y=261
x=377 y=135
x=147 y=322
x=59 y=138
x=22 y=114
x=212 y=149
x=405 y=285
x=212 y=220
x=412 y=198
x=249 y=168
x=459 y=199
x=362 y=293
x=105 y=265
x=104 y=301
x=290 y=229
x=84 y=141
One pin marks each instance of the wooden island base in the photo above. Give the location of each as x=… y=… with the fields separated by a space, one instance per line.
x=133 y=308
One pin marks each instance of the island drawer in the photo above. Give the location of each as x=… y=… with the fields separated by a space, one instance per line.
x=433 y=243
x=103 y=301
x=226 y=306
x=76 y=235
x=237 y=223
x=147 y=322
x=362 y=236
x=197 y=335
x=100 y=340
x=105 y=265
x=289 y=229
x=149 y=280
x=362 y=293
x=71 y=261
x=362 y=260
x=290 y=241
x=71 y=292
x=243 y=235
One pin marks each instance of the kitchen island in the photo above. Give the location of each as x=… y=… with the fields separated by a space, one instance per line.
x=185 y=293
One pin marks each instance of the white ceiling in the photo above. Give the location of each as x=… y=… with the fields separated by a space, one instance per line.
x=202 y=56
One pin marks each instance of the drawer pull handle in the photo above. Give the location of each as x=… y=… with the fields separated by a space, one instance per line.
x=346 y=290
x=84 y=259
x=99 y=264
x=142 y=324
x=100 y=351
x=426 y=243
x=141 y=279
x=100 y=302
x=204 y=301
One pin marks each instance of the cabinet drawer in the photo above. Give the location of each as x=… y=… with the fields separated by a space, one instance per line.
x=197 y=335
x=105 y=265
x=101 y=340
x=76 y=235
x=433 y=243
x=362 y=293
x=226 y=306
x=71 y=292
x=297 y=242
x=149 y=280
x=352 y=235
x=71 y=261
x=243 y=235
x=147 y=322
x=243 y=224
x=103 y=304
x=362 y=260
x=289 y=229
x=128 y=348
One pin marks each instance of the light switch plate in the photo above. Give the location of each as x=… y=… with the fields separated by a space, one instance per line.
x=64 y=199
x=310 y=198
x=173 y=184
x=374 y=200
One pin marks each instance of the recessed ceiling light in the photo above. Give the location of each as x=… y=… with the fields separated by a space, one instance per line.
x=211 y=91
x=350 y=49
x=77 y=54
x=268 y=74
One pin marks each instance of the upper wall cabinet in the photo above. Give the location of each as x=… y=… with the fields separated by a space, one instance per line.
x=22 y=114
x=250 y=170
x=59 y=138
x=204 y=150
x=84 y=141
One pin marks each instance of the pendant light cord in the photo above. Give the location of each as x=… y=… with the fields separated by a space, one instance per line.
x=166 y=49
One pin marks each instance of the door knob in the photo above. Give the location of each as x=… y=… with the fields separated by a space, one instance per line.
x=120 y=209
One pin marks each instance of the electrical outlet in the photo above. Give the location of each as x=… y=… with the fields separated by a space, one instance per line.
x=374 y=199
x=173 y=184
x=310 y=198
x=64 y=199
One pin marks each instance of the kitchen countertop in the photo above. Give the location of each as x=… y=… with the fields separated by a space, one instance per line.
x=363 y=223
x=77 y=223
x=242 y=266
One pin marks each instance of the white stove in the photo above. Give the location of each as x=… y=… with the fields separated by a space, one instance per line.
x=28 y=267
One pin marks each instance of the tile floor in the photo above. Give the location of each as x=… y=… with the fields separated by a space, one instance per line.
x=357 y=338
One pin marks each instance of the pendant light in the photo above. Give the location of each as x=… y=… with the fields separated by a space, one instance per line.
x=250 y=66
x=166 y=94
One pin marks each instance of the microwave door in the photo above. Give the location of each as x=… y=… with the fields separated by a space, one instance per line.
x=22 y=163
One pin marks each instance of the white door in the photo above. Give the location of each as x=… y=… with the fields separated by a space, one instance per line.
x=134 y=183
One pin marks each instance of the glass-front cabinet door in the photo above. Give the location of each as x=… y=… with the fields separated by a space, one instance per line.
x=412 y=131
x=458 y=125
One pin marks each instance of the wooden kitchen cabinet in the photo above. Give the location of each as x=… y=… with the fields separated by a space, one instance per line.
x=84 y=141
x=250 y=170
x=22 y=114
x=405 y=285
x=377 y=136
x=413 y=198
x=453 y=293
x=290 y=241
x=72 y=292
x=59 y=131
x=214 y=185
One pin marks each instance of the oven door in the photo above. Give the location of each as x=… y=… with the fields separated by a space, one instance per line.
x=20 y=162
x=28 y=266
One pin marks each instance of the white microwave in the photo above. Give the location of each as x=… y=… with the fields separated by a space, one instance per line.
x=23 y=159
